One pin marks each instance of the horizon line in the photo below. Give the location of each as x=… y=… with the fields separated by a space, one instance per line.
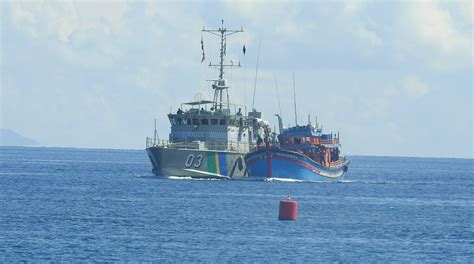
x=136 y=149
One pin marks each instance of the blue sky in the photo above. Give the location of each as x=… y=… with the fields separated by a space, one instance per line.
x=394 y=78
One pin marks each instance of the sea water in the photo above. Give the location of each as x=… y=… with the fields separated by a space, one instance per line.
x=105 y=205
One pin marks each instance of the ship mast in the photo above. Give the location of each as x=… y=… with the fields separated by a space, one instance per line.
x=219 y=85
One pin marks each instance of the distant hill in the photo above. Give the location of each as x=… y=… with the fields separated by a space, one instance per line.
x=11 y=138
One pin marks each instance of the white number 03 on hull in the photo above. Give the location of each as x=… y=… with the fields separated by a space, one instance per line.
x=192 y=160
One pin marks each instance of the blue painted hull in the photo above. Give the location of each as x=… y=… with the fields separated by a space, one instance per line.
x=287 y=164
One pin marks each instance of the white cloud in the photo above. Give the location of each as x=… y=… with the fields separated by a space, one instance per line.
x=377 y=101
x=354 y=6
x=434 y=25
x=281 y=19
x=370 y=38
x=23 y=18
x=435 y=34
x=82 y=32
x=466 y=8
x=148 y=81
x=20 y=14
x=414 y=87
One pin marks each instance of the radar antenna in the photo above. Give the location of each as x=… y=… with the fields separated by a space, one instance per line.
x=220 y=85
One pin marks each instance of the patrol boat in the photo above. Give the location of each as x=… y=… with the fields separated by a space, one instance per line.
x=208 y=139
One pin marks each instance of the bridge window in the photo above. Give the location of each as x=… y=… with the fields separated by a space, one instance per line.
x=195 y=121
x=204 y=121
x=188 y=121
x=222 y=122
x=235 y=122
x=213 y=121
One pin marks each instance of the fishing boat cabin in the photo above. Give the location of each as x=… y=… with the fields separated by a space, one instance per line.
x=310 y=141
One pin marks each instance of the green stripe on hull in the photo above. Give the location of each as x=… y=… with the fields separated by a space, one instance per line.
x=211 y=162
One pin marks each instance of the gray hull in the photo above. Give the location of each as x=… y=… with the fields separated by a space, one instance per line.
x=196 y=163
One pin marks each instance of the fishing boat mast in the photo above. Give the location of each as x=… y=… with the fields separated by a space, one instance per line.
x=220 y=85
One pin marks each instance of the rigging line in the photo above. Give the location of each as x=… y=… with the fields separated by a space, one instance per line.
x=245 y=70
x=206 y=68
x=278 y=94
x=309 y=117
x=294 y=99
x=256 y=74
x=245 y=83
x=227 y=90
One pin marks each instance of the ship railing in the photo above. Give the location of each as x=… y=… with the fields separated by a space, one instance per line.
x=337 y=162
x=333 y=141
x=149 y=142
x=219 y=146
x=201 y=107
x=342 y=159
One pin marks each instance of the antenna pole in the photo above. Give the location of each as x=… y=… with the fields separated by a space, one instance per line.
x=245 y=75
x=278 y=94
x=220 y=85
x=256 y=73
x=294 y=99
x=154 y=136
x=221 y=65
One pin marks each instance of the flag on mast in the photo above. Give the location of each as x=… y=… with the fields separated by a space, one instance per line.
x=202 y=48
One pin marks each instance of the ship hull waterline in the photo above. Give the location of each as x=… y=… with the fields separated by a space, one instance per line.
x=291 y=165
x=193 y=163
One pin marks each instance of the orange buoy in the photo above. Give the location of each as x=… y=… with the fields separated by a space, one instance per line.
x=288 y=210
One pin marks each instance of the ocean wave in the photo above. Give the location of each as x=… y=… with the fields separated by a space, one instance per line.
x=191 y=178
x=23 y=173
x=364 y=182
x=282 y=180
